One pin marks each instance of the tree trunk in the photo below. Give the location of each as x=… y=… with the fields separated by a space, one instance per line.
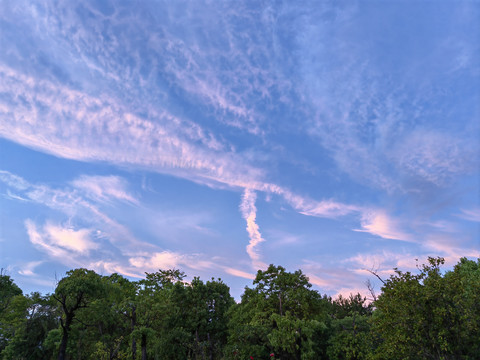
x=65 y=332
x=134 y=342
x=144 y=347
x=63 y=346
x=196 y=344
x=210 y=346
x=298 y=352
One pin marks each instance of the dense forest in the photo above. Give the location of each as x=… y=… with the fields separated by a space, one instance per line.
x=429 y=314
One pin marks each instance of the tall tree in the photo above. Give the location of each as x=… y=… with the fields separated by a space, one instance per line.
x=75 y=292
x=151 y=304
x=280 y=315
x=209 y=303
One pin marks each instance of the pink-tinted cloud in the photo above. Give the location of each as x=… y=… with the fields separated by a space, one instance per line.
x=55 y=247
x=104 y=188
x=239 y=273
x=249 y=213
x=78 y=126
x=472 y=214
x=378 y=222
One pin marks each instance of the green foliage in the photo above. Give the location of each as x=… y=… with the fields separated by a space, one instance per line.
x=281 y=315
x=36 y=316
x=351 y=337
x=430 y=316
x=8 y=290
x=76 y=292
x=425 y=315
x=12 y=309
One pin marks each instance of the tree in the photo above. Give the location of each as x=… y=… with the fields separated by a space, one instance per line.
x=281 y=315
x=12 y=308
x=36 y=317
x=102 y=329
x=151 y=305
x=350 y=329
x=8 y=289
x=75 y=292
x=429 y=315
x=207 y=317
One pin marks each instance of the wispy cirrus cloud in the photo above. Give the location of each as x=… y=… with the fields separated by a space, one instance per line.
x=357 y=99
x=336 y=109
x=239 y=273
x=77 y=126
x=74 y=205
x=472 y=214
x=104 y=188
x=106 y=245
x=28 y=268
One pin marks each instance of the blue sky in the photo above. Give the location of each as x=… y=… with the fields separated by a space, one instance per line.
x=219 y=137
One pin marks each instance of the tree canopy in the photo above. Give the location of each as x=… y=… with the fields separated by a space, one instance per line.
x=428 y=314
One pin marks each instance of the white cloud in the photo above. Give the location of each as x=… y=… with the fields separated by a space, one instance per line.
x=71 y=203
x=306 y=206
x=450 y=247
x=435 y=156
x=28 y=268
x=249 y=213
x=78 y=241
x=58 y=241
x=14 y=181
x=333 y=278
x=42 y=242
x=378 y=222
x=472 y=214
x=75 y=125
x=169 y=260
x=156 y=261
x=382 y=262
x=239 y=273
x=104 y=188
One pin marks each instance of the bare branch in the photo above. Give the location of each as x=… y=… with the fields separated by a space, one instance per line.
x=374 y=272
x=371 y=289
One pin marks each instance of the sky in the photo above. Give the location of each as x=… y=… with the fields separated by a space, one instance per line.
x=218 y=137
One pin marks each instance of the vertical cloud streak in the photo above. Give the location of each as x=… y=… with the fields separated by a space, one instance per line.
x=249 y=213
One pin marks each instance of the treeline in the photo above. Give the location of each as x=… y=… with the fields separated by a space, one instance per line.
x=427 y=315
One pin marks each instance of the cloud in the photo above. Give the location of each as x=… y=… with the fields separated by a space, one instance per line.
x=305 y=205
x=249 y=213
x=68 y=123
x=78 y=241
x=378 y=223
x=104 y=188
x=472 y=214
x=48 y=245
x=156 y=261
x=13 y=180
x=382 y=262
x=450 y=247
x=334 y=279
x=75 y=205
x=388 y=120
x=239 y=273
x=167 y=259
x=434 y=156
x=28 y=268
x=59 y=241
